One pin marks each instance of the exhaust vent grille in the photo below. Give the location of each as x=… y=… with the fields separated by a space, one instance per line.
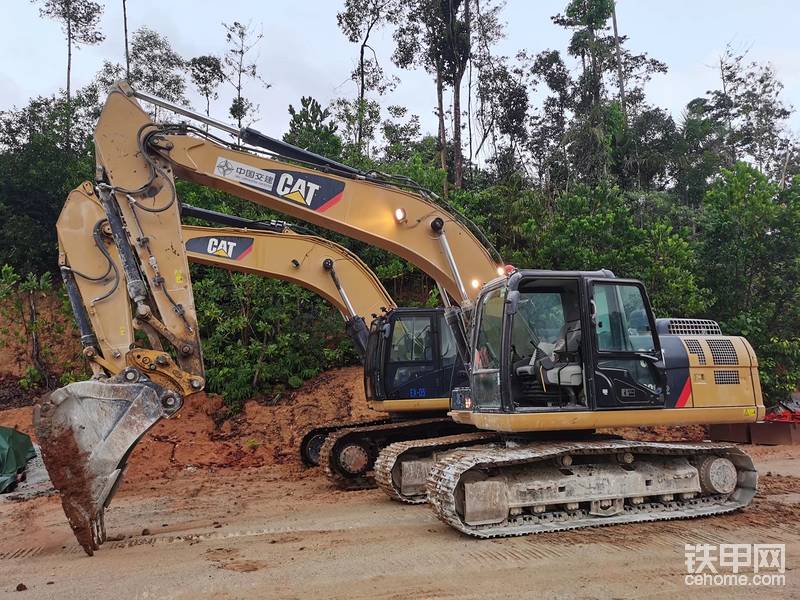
x=694 y=327
x=723 y=352
x=695 y=348
x=726 y=377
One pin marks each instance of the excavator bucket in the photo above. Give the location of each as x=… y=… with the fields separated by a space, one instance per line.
x=87 y=430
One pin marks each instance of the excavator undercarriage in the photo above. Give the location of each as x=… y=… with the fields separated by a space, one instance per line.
x=519 y=488
x=348 y=455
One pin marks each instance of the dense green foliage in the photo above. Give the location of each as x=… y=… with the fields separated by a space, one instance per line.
x=703 y=208
x=260 y=335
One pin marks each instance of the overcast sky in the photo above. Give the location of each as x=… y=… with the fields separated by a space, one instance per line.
x=304 y=53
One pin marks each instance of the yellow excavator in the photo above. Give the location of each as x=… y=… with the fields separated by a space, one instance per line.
x=563 y=352
x=270 y=249
x=135 y=188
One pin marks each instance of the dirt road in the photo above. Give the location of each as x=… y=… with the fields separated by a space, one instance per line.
x=257 y=535
x=214 y=508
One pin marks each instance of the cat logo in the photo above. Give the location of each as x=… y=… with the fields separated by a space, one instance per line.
x=234 y=247
x=296 y=188
x=309 y=190
x=219 y=247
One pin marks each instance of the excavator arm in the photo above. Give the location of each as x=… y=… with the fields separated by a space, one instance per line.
x=270 y=249
x=312 y=262
x=87 y=429
x=101 y=421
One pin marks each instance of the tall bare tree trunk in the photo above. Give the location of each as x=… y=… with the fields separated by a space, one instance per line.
x=36 y=348
x=68 y=143
x=619 y=60
x=469 y=115
x=728 y=119
x=458 y=156
x=239 y=89
x=69 y=48
x=127 y=53
x=361 y=94
x=592 y=66
x=442 y=132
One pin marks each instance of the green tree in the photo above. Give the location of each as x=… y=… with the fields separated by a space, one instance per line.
x=504 y=105
x=594 y=228
x=239 y=67
x=401 y=137
x=20 y=299
x=750 y=106
x=698 y=152
x=80 y=20
x=749 y=247
x=358 y=21
x=311 y=128
x=207 y=74
x=155 y=68
x=547 y=143
x=350 y=116
x=417 y=44
x=45 y=151
x=455 y=29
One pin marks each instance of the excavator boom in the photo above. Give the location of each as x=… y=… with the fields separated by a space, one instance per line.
x=270 y=249
x=364 y=206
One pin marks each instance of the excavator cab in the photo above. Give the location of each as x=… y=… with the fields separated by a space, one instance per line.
x=565 y=341
x=411 y=355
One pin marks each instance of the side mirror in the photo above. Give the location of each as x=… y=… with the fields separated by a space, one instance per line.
x=593 y=312
x=512 y=302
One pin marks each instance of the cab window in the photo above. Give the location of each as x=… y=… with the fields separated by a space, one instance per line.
x=490 y=331
x=620 y=319
x=488 y=348
x=449 y=351
x=543 y=312
x=412 y=340
x=411 y=351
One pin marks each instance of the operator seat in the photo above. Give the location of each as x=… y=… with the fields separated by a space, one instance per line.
x=563 y=367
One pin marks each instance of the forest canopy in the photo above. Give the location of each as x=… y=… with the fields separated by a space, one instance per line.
x=557 y=154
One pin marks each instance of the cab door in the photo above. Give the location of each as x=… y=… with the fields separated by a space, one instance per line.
x=415 y=367
x=628 y=369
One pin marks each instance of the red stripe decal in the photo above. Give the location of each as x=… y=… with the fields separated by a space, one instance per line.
x=246 y=252
x=684 y=397
x=330 y=202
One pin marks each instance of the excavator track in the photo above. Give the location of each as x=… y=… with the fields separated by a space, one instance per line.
x=313 y=437
x=348 y=455
x=389 y=465
x=494 y=468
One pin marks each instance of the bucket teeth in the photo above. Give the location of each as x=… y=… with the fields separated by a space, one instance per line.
x=87 y=430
